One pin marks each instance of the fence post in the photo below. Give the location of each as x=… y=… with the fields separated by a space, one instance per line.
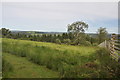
x=112 y=46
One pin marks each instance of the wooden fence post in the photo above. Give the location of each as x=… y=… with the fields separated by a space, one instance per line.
x=112 y=47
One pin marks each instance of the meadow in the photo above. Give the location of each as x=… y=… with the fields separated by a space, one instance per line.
x=17 y=66
x=61 y=61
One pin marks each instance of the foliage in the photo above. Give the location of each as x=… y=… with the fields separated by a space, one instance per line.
x=102 y=34
x=69 y=38
x=69 y=61
x=77 y=26
x=60 y=59
x=78 y=29
x=95 y=44
x=109 y=64
x=67 y=41
x=5 y=32
x=58 y=41
x=6 y=67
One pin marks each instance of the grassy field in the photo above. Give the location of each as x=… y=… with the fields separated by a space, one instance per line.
x=74 y=49
x=54 y=60
x=21 y=65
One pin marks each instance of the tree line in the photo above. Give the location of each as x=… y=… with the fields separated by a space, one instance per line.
x=75 y=35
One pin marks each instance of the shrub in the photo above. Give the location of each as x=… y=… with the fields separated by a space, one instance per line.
x=67 y=41
x=58 y=41
x=87 y=43
x=108 y=66
x=95 y=44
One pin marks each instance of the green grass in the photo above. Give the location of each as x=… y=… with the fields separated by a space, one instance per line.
x=22 y=68
x=83 y=50
x=68 y=61
x=56 y=57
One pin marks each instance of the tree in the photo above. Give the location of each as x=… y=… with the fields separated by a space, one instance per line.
x=102 y=34
x=64 y=35
x=70 y=36
x=78 y=26
x=5 y=32
x=77 y=29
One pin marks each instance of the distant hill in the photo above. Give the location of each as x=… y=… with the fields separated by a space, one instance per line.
x=38 y=32
x=35 y=32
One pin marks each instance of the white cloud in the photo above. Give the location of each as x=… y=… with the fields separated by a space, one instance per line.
x=62 y=10
x=57 y=14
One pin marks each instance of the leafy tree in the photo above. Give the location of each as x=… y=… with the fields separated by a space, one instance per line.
x=5 y=32
x=70 y=35
x=102 y=34
x=91 y=39
x=78 y=28
x=65 y=36
x=44 y=38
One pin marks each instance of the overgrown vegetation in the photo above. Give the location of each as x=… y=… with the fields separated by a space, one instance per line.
x=83 y=60
x=19 y=67
x=69 y=61
x=102 y=34
x=75 y=35
x=6 y=68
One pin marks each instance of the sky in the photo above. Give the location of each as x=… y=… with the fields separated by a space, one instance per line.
x=55 y=16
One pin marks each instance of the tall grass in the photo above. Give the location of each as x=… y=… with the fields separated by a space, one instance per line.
x=69 y=62
x=6 y=67
x=54 y=59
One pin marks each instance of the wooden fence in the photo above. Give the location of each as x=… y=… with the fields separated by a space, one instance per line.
x=114 y=46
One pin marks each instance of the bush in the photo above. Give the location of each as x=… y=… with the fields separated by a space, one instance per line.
x=58 y=41
x=85 y=43
x=108 y=66
x=95 y=44
x=67 y=41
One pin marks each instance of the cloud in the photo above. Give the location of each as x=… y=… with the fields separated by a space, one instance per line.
x=56 y=10
x=52 y=15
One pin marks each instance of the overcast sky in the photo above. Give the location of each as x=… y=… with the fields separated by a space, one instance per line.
x=55 y=16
